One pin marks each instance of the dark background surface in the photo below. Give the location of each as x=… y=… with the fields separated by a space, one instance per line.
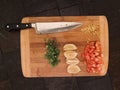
x=12 y=11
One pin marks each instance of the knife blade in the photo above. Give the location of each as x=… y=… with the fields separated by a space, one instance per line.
x=44 y=27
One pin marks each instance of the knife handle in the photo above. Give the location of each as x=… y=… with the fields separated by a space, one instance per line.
x=17 y=26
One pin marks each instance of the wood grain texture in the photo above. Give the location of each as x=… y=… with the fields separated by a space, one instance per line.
x=33 y=48
x=25 y=47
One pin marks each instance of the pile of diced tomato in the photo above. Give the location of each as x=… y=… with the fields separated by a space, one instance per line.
x=93 y=57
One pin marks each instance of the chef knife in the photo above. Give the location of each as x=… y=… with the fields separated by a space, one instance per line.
x=44 y=27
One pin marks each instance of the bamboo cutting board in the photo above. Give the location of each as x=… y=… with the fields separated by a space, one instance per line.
x=33 y=46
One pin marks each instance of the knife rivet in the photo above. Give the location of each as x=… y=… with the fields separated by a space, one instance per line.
x=7 y=26
x=17 y=25
x=26 y=25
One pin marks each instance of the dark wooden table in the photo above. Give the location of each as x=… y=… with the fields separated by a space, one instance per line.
x=12 y=11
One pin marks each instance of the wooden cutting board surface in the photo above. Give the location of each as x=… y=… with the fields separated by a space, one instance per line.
x=33 y=46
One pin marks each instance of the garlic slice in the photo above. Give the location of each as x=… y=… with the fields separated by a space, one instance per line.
x=69 y=47
x=73 y=69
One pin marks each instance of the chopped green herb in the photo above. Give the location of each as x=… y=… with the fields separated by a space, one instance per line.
x=52 y=52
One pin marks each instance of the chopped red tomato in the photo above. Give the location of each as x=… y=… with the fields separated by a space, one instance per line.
x=93 y=57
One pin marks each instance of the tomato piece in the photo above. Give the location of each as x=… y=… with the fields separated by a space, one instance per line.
x=85 y=52
x=101 y=55
x=91 y=50
x=96 y=59
x=99 y=68
x=88 y=70
x=91 y=43
x=98 y=49
x=100 y=61
x=93 y=70
x=89 y=66
x=87 y=47
x=96 y=53
x=93 y=57
x=92 y=47
x=98 y=65
x=87 y=56
x=97 y=44
x=92 y=62
x=94 y=65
